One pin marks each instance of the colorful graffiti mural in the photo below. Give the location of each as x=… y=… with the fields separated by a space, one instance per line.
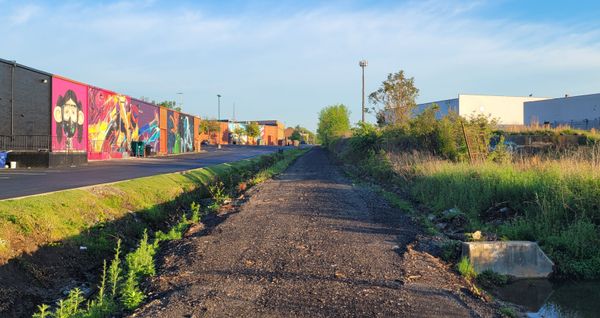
x=186 y=132
x=113 y=124
x=148 y=122
x=173 y=137
x=69 y=116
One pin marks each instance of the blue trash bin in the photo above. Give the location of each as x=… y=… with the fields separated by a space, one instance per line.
x=3 y=155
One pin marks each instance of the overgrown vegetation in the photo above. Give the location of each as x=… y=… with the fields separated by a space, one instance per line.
x=124 y=274
x=435 y=161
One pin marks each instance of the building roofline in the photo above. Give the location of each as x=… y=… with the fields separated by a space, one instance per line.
x=492 y=95
x=567 y=97
x=25 y=67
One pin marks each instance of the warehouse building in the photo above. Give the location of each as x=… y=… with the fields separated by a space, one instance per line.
x=581 y=112
x=47 y=120
x=509 y=110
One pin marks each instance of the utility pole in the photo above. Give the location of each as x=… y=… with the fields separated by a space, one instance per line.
x=362 y=65
x=219 y=120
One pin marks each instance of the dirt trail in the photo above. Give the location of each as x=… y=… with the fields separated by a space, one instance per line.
x=309 y=244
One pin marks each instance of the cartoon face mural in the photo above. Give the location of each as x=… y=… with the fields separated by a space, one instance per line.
x=174 y=137
x=69 y=116
x=148 y=121
x=113 y=124
x=186 y=131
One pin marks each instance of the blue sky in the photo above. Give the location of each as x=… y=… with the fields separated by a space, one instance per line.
x=288 y=59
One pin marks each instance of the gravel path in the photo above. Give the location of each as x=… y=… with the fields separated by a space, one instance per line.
x=309 y=244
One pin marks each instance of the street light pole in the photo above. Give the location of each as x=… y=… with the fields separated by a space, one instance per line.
x=219 y=120
x=180 y=99
x=362 y=65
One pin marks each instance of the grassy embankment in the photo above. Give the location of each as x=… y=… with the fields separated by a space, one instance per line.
x=557 y=202
x=97 y=217
x=30 y=222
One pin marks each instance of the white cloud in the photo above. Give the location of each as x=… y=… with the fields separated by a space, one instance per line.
x=290 y=65
x=24 y=14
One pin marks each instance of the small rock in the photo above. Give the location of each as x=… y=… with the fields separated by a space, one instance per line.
x=340 y=275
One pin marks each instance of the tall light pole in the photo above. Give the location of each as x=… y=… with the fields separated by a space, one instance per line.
x=362 y=65
x=219 y=120
x=180 y=99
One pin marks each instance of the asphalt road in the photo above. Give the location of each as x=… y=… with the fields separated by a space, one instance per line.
x=17 y=183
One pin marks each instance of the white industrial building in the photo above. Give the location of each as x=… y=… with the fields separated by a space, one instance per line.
x=508 y=110
x=582 y=112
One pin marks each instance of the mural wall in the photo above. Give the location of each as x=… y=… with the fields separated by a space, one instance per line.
x=112 y=124
x=173 y=135
x=148 y=122
x=69 y=116
x=186 y=132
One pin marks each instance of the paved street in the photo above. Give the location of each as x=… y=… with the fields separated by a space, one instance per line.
x=16 y=183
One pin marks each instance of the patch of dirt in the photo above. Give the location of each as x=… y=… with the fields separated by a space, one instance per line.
x=309 y=244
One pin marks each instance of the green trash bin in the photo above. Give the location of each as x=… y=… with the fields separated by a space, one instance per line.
x=137 y=148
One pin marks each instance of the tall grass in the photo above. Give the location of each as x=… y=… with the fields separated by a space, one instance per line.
x=557 y=203
x=556 y=198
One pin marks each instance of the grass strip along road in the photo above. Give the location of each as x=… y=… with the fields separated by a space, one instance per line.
x=23 y=182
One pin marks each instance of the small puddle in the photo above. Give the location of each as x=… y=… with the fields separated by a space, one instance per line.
x=546 y=299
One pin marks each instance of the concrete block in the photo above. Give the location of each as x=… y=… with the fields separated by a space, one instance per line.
x=520 y=259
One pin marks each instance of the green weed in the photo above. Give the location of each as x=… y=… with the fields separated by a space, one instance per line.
x=195 y=208
x=131 y=295
x=465 y=268
x=217 y=192
x=508 y=312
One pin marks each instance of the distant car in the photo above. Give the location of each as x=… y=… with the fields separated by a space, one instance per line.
x=204 y=142
x=303 y=142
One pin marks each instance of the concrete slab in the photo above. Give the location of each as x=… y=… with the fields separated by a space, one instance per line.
x=520 y=259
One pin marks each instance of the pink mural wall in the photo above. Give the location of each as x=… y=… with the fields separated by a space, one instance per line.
x=69 y=116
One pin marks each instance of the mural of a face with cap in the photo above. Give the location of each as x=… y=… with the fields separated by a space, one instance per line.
x=69 y=118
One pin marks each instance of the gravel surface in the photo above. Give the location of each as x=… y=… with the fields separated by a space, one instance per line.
x=309 y=244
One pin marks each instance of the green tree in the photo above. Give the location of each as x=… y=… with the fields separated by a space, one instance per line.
x=239 y=131
x=296 y=135
x=303 y=134
x=171 y=104
x=334 y=122
x=208 y=127
x=253 y=130
x=397 y=97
